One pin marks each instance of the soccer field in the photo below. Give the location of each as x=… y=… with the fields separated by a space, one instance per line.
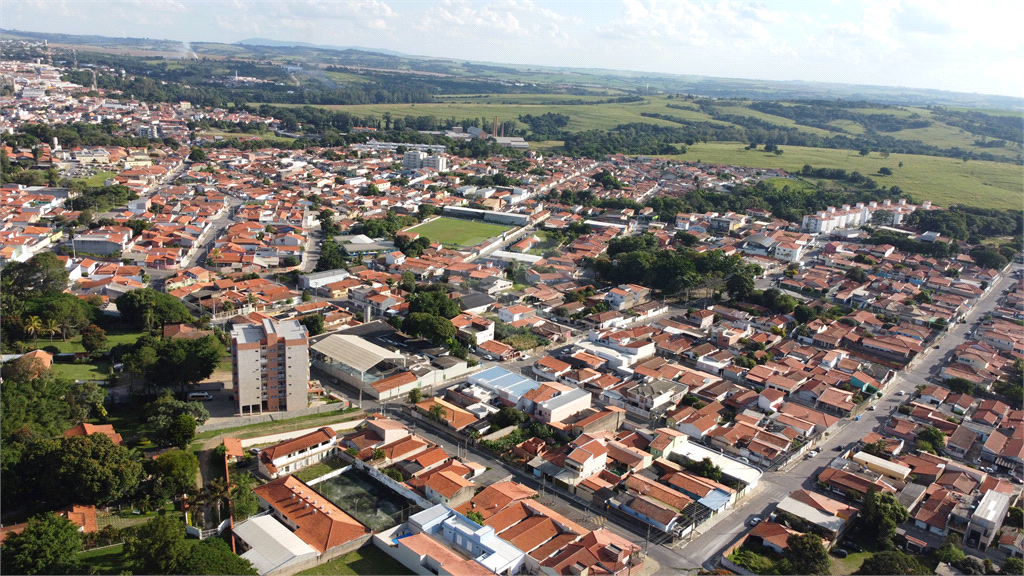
x=452 y=231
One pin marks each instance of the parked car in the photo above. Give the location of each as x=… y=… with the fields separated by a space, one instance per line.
x=840 y=553
x=901 y=393
x=201 y=396
x=872 y=408
x=755 y=521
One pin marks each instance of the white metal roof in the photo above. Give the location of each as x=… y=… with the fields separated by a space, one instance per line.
x=272 y=545
x=354 y=351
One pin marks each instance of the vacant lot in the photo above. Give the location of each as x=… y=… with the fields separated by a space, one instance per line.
x=115 y=336
x=368 y=560
x=459 y=232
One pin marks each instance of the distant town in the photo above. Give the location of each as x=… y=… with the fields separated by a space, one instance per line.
x=279 y=360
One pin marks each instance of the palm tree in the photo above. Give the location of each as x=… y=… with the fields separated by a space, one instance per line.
x=437 y=412
x=51 y=327
x=33 y=326
x=218 y=493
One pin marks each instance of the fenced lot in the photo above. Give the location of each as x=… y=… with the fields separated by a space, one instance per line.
x=459 y=232
x=364 y=499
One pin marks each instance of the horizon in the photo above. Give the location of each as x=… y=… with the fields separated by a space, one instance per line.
x=935 y=45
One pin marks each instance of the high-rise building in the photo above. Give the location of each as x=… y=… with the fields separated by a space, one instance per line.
x=413 y=159
x=270 y=367
x=437 y=162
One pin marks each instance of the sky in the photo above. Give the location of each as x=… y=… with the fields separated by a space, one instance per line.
x=964 y=46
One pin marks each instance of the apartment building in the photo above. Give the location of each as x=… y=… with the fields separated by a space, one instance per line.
x=270 y=367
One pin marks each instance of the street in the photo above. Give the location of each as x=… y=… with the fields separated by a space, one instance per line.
x=705 y=548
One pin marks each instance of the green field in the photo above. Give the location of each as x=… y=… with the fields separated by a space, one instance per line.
x=108 y=560
x=97 y=180
x=944 y=181
x=452 y=231
x=368 y=560
x=115 y=336
x=96 y=371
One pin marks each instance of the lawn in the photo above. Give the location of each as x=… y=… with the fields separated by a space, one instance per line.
x=108 y=560
x=95 y=371
x=319 y=469
x=97 y=180
x=850 y=564
x=457 y=232
x=367 y=560
x=115 y=336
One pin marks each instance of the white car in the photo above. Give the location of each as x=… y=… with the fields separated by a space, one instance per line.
x=901 y=393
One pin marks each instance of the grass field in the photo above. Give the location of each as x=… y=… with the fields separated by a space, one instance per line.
x=108 y=560
x=459 y=232
x=97 y=180
x=944 y=181
x=368 y=560
x=96 y=371
x=115 y=336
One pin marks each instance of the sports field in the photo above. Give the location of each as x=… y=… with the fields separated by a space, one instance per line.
x=452 y=231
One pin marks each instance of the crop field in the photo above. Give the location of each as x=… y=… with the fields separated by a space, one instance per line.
x=944 y=181
x=452 y=231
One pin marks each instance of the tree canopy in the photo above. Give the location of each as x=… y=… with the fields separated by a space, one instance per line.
x=48 y=545
x=42 y=273
x=146 y=308
x=214 y=556
x=892 y=562
x=884 y=512
x=165 y=534
x=807 y=554
x=80 y=469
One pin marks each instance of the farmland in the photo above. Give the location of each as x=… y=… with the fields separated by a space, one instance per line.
x=451 y=231
x=944 y=181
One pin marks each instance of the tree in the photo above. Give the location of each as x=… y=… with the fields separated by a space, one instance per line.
x=408 y=281
x=377 y=454
x=214 y=556
x=218 y=493
x=49 y=545
x=33 y=325
x=162 y=414
x=437 y=412
x=183 y=363
x=804 y=313
x=475 y=517
x=197 y=154
x=437 y=329
x=145 y=308
x=290 y=261
x=1015 y=517
x=740 y=287
x=434 y=302
x=807 y=554
x=182 y=431
x=81 y=469
x=892 y=562
x=1012 y=566
x=949 y=553
x=175 y=473
x=244 y=502
x=706 y=468
x=960 y=385
x=43 y=273
x=314 y=324
x=158 y=547
x=508 y=416
x=933 y=436
x=884 y=512
x=51 y=327
x=93 y=338
x=415 y=396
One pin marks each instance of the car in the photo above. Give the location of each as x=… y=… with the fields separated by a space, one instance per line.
x=838 y=448
x=901 y=393
x=840 y=553
x=872 y=408
x=755 y=521
x=202 y=396
x=853 y=546
x=254 y=451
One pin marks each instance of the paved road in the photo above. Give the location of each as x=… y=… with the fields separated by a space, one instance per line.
x=705 y=548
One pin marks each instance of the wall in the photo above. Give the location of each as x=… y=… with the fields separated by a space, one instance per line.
x=390 y=482
x=329 y=475
x=270 y=417
x=282 y=436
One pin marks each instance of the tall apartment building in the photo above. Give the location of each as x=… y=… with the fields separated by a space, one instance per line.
x=270 y=367
x=415 y=159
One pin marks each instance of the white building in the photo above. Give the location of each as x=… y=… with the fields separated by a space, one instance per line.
x=270 y=367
